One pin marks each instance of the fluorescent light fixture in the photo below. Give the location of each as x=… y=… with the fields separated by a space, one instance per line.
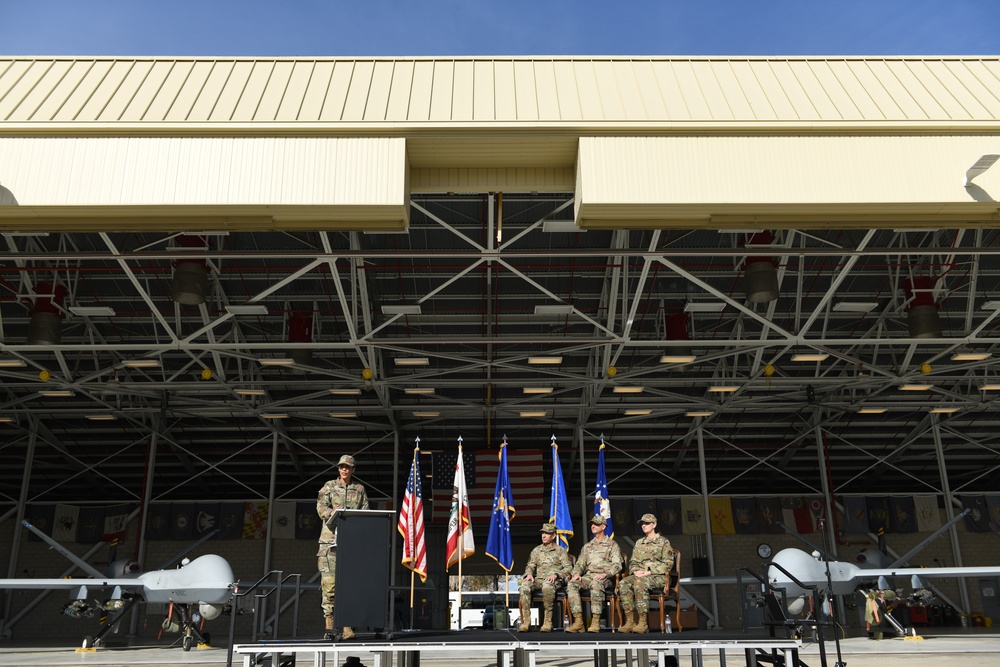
x=141 y=363
x=637 y=413
x=818 y=356
x=871 y=411
x=627 y=390
x=560 y=226
x=401 y=310
x=345 y=392
x=704 y=307
x=537 y=390
x=855 y=306
x=537 y=361
x=273 y=415
x=991 y=305
x=101 y=418
x=534 y=413
x=344 y=415
x=722 y=389
x=559 y=309
x=6 y=420
x=57 y=393
x=251 y=392
x=412 y=361
x=92 y=311
x=278 y=361
x=677 y=358
x=426 y=414
x=418 y=390
x=989 y=387
x=699 y=413
x=915 y=387
x=12 y=363
x=970 y=356
x=247 y=309
x=943 y=411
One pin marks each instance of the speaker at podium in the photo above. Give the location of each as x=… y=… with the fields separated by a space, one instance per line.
x=363 y=545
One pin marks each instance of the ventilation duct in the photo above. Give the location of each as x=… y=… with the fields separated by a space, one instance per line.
x=45 y=325
x=676 y=325
x=300 y=331
x=190 y=286
x=922 y=316
x=760 y=279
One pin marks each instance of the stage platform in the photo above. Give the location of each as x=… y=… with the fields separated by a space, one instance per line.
x=524 y=649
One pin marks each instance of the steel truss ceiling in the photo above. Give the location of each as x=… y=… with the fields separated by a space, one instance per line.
x=477 y=266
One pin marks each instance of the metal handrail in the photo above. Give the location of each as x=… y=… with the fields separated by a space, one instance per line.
x=258 y=596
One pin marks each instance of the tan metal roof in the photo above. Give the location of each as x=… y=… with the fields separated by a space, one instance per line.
x=398 y=94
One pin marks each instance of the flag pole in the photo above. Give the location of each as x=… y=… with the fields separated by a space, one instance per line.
x=413 y=536
x=461 y=538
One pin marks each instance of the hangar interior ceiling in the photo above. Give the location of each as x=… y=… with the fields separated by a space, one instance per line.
x=478 y=286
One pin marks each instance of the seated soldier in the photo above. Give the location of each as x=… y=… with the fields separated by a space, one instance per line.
x=649 y=568
x=600 y=560
x=550 y=564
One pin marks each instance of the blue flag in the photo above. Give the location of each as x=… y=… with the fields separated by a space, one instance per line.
x=499 y=546
x=602 y=503
x=558 y=505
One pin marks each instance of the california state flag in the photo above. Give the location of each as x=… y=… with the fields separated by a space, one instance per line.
x=460 y=542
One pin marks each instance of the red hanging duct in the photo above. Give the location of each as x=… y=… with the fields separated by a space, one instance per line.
x=676 y=325
x=300 y=331
x=190 y=286
x=922 y=314
x=760 y=278
x=45 y=325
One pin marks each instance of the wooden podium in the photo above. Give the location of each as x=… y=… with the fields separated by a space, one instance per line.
x=363 y=545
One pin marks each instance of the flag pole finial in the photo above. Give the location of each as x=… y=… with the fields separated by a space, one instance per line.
x=505 y=438
x=602 y=438
x=459 y=441
x=417 y=440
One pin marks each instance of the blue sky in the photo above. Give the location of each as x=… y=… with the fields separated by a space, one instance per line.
x=511 y=27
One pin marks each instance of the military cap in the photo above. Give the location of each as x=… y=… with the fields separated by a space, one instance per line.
x=549 y=528
x=346 y=460
x=598 y=520
x=648 y=518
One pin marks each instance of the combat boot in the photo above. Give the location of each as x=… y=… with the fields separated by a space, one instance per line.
x=641 y=627
x=595 y=624
x=577 y=623
x=329 y=629
x=348 y=633
x=525 y=606
x=547 y=623
x=629 y=621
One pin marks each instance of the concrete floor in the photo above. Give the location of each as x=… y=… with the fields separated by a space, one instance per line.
x=975 y=647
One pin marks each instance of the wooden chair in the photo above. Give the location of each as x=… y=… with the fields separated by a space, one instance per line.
x=672 y=591
x=615 y=615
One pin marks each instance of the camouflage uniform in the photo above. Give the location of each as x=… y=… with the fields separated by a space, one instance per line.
x=544 y=560
x=596 y=557
x=333 y=496
x=652 y=555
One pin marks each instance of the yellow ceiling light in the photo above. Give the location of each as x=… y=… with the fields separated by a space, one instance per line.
x=943 y=411
x=250 y=392
x=412 y=361
x=101 y=418
x=915 y=387
x=677 y=358
x=274 y=415
x=989 y=387
x=871 y=411
x=418 y=390
x=628 y=390
x=533 y=413
x=537 y=390
x=141 y=363
x=811 y=356
x=637 y=413
x=11 y=363
x=57 y=393
x=699 y=413
x=346 y=392
x=279 y=361
x=344 y=415
x=426 y=414
x=537 y=361
x=723 y=389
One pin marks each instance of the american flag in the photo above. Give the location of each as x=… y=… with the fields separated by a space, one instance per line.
x=526 y=482
x=411 y=522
